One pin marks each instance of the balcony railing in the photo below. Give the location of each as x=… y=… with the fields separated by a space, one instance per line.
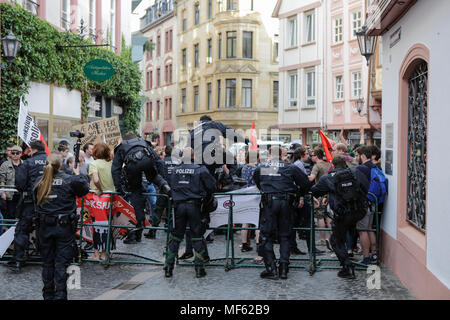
x=157 y=11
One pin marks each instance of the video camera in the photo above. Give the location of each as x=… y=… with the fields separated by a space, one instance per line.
x=76 y=148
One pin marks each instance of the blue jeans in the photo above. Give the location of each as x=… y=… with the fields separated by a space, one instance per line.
x=151 y=199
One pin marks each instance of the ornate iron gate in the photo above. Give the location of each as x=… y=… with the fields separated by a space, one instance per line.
x=417 y=146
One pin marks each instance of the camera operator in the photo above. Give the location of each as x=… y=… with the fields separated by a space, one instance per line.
x=133 y=157
x=26 y=176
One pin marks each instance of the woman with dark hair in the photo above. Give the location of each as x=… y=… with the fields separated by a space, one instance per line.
x=55 y=195
x=100 y=172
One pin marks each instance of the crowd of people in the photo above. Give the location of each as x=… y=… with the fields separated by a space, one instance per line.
x=284 y=176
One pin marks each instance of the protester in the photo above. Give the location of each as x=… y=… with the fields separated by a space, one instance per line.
x=7 y=157
x=7 y=177
x=65 y=143
x=56 y=209
x=88 y=150
x=84 y=167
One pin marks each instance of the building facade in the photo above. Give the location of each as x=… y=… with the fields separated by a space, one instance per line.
x=228 y=63
x=414 y=39
x=159 y=69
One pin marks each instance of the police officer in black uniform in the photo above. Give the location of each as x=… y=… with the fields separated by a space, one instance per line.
x=162 y=202
x=281 y=184
x=138 y=157
x=55 y=195
x=26 y=176
x=190 y=184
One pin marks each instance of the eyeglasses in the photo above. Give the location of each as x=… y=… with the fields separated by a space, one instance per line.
x=15 y=153
x=313 y=155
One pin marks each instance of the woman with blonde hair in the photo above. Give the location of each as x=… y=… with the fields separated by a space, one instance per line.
x=55 y=196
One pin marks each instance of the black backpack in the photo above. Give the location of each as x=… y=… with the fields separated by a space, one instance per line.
x=350 y=199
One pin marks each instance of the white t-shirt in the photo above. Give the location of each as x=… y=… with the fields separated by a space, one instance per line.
x=88 y=160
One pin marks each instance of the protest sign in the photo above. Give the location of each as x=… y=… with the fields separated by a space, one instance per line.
x=106 y=130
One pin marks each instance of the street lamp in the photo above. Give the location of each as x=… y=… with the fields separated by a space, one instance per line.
x=10 y=46
x=359 y=105
x=366 y=43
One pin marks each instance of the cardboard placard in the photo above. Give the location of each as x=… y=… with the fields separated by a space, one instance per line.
x=106 y=130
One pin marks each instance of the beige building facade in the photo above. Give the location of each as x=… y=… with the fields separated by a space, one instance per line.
x=228 y=63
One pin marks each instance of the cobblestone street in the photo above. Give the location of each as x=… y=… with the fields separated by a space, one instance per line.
x=147 y=282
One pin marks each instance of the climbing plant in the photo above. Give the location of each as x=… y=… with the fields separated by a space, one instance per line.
x=41 y=60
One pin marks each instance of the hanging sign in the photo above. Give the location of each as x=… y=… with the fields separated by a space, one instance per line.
x=98 y=70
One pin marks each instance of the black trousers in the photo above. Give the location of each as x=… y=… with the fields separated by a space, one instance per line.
x=57 y=253
x=302 y=219
x=340 y=226
x=161 y=204
x=186 y=213
x=11 y=209
x=275 y=220
x=23 y=230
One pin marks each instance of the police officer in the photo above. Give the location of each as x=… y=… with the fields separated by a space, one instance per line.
x=281 y=184
x=162 y=202
x=26 y=176
x=55 y=195
x=190 y=184
x=138 y=157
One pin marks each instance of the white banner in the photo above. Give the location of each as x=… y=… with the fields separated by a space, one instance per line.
x=245 y=209
x=27 y=130
x=6 y=239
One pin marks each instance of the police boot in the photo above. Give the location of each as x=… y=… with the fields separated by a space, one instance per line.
x=347 y=272
x=131 y=238
x=151 y=234
x=270 y=272
x=283 y=270
x=16 y=267
x=139 y=235
x=200 y=272
x=168 y=271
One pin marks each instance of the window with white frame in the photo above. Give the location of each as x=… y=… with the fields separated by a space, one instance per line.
x=196 y=101
x=310 y=26
x=292 y=32
x=230 y=93
x=356 y=23
x=231 y=5
x=113 y=23
x=65 y=18
x=337 y=30
x=293 y=89
x=338 y=87
x=356 y=84
x=92 y=17
x=246 y=93
x=310 y=83
x=209 y=95
x=183 y=100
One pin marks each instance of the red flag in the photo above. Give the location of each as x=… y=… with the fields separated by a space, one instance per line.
x=326 y=146
x=41 y=137
x=254 y=145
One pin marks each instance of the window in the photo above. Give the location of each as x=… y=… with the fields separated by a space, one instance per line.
x=183 y=100
x=293 y=80
x=196 y=98
x=158 y=46
x=230 y=93
x=220 y=5
x=356 y=84
x=65 y=19
x=209 y=9
x=339 y=88
x=151 y=79
x=310 y=27
x=356 y=23
x=92 y=17
x=149 y=111
x=158 y=109
x=167 y=108
x=31 y=6
x=292 y=33
x=275 y=94
x=184 y=24
x=148 y=81
x=219 y=88
x=170 y=40
x=183 y=59
x=247 y=45
x=150 y=52
x=310 y=87
x=231 y=44
x=166 y=41
x=113 y=23
x=275 y=52
x=209 y=96
x=209 y=58
x=246 y=93
x=219 y=46
x=170 y=73
x=197 y=14
x=166 y=74
x=337 y=30
x=158 y=77
x=231 y=5
x=196 y=56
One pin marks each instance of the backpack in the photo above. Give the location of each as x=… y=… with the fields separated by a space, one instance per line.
x=350 y=199
x=378 y=185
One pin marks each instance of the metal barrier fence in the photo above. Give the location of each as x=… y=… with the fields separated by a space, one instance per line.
x=231 y=261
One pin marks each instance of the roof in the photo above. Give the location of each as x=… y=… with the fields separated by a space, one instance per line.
x=276 y=11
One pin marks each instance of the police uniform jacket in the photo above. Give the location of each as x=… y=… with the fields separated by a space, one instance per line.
x=62 y=196
x=199 y=131
x=169 y=166
x=121 y=152
x=279 y=177
x=191 y=181
x=29 y=171
x=326 y=185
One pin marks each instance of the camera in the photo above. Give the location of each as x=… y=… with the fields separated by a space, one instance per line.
x=77 y=134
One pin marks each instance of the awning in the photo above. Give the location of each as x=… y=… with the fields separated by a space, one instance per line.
x=168 y=127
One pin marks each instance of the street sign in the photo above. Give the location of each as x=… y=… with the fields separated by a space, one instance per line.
x=98 y=70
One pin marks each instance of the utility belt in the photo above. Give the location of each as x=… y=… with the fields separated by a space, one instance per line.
x=197 y=202
x=268 y=198
x=61 y=219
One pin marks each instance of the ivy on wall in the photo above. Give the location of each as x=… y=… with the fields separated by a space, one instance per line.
x=40 y=60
